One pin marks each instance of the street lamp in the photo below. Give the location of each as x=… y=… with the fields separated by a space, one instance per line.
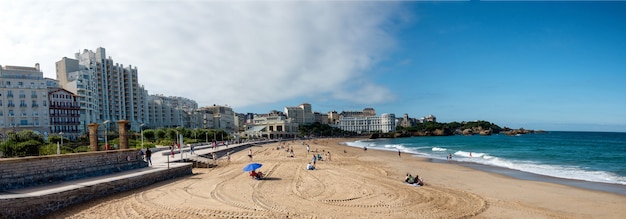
x=59 y=148
x=106 y=142
x=141 y=128
x=206 y=135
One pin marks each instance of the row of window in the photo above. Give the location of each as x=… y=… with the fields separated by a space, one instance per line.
x=23 y=103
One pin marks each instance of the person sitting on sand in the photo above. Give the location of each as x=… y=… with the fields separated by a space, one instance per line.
x=408 y=178
x=310 y=167
x=256 y=175
x=419 y=180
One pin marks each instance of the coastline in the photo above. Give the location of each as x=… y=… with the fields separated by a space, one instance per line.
x=354 y=184
x=518 y=174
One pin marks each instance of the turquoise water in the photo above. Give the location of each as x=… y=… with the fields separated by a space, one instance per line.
x=587 y=156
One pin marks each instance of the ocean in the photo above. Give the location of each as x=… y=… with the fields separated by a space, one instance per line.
x=593 y=160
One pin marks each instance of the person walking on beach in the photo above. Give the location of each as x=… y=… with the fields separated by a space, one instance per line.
x=314 y=159
x=250 y=154
x=308 y=149
x=228 y=157
x=399 y=153
x=328 y=155
x=214 y=158
x=149 y=156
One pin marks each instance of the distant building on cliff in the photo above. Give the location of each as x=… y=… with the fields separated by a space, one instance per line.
x=407 y=121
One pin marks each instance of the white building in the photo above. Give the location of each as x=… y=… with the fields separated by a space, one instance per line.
x=169 y=111
x=301 y=114
x=368 y=124
x=106 y=90
x=23 y=100
x=271 y=126
x=223 y=117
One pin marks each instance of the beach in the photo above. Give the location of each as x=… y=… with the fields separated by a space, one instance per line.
x=354 y=183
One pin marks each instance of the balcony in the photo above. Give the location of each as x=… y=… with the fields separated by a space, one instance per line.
x=11 y=105
x=23 y=105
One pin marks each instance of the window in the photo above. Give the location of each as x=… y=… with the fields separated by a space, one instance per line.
x=23 y=122
x=20 y=83
x=10 y=93
x=8 y=83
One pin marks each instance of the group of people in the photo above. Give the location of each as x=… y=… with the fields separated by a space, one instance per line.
x=414 y=180
x=147 y=156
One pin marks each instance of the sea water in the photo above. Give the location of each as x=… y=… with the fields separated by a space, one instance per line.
x=586 y=156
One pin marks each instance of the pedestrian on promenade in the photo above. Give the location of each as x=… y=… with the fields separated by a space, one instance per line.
x=149 y=156
x=191 y=149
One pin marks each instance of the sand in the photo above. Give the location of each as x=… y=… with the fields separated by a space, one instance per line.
x=354 y=184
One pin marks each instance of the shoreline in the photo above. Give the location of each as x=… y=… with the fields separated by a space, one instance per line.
x=354 y=184
x=518 y=174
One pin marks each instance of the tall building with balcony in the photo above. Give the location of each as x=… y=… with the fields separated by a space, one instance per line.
x=301 y=114
x=106 y=90
x=23 y=100
x=64 y=113
x=169 y=111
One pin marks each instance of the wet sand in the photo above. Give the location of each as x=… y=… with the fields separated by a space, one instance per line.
x=354 y=184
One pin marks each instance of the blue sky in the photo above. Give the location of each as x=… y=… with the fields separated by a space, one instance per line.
x=537 y=65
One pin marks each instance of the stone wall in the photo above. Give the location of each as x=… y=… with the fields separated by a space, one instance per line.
x=25 y=206
x=16 y=173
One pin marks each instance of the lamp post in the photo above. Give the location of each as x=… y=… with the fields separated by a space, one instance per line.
x=59 y=148
x=141 y=131
x=106 y=128
x=206 y=135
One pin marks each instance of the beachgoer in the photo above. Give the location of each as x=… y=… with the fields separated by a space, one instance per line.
x=142 y=155
x=470 y=154
x=228 y=157
x=407 y=178
x=314 y=159
x=214 y=158
x=308 y=149
x=310 y=167
x=364 y=148
x=149 y=156
x=419 y=180
x=250 y=154
x=328 y=155
x=399 y=153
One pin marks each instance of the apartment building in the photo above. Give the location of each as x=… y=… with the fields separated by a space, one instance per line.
x=367 y=124
x=301 y=114
x=106 y=90
x=64 y=113
x=23 y=100
x=223 y=117
x=169 y=111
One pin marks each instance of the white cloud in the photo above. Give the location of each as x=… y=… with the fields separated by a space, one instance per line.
x=235 y=53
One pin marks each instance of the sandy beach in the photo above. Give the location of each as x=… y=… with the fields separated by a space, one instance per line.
x=354 y=184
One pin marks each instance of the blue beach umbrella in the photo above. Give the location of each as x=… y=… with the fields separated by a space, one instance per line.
x=252 y=166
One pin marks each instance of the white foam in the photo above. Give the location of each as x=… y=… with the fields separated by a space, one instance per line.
x=439 y=149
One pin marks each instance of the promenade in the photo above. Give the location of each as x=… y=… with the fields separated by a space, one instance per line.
x=164 y=166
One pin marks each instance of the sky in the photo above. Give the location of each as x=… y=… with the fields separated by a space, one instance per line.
x=557 y=66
